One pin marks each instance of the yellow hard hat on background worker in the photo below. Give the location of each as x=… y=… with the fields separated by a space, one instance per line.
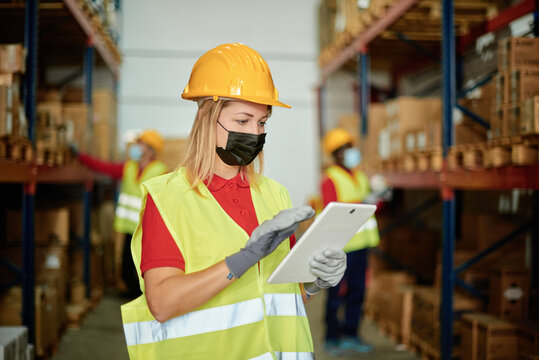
x=153 y=139
x=335 y=138
x=233 y=71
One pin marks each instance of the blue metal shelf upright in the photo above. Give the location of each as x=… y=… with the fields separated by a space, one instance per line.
x=30 y=175
x=525 y=177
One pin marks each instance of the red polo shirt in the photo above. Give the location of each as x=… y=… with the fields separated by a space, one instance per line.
x=159 y=248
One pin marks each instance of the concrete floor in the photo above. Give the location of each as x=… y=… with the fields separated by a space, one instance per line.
x=101 y=335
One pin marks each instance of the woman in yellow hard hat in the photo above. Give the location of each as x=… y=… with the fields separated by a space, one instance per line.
x=213 y=231
x=142 y=165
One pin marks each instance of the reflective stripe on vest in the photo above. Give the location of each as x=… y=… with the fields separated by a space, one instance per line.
x=285 y=356
x=370 y=224
x=353 y=188
x=130 y=199
x=257 y=314
x=125 y=213
x=203 y=321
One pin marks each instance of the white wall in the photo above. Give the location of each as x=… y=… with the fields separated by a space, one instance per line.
x=161 y=41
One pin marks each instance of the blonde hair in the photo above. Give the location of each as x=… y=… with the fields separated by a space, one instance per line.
x=201 y=156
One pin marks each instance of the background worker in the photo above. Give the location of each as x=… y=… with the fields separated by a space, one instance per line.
x=343 y=182
x=214 y=230
x=142 y=165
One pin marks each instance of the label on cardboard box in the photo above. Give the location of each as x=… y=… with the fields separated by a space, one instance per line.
x=513 y=293
x=52 y=262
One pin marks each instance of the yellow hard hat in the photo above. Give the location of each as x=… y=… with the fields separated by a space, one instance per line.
x=232 y=71
x=335 y=138
x=153 y=139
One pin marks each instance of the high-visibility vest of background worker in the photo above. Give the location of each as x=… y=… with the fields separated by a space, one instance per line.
x=343 y=182
x=214 y=230
x=142 y=165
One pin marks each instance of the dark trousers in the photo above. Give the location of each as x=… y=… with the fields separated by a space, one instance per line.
x=129 y=272
x=349 y=293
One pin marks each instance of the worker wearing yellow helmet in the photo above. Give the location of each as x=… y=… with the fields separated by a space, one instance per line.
x=142 y=165
x=214 y=230
x=343 y=182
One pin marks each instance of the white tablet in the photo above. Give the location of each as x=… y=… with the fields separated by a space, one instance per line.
x=333 y=228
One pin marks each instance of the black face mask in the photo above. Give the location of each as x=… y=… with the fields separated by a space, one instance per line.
x=241 y=148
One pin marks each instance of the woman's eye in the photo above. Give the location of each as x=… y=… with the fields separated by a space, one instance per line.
x=242 y=122
x=262 y=123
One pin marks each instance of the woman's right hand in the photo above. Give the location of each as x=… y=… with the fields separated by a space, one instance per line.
x=267 y=237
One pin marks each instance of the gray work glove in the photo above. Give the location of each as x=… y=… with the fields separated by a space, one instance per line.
x=329 y=267
x=266 y=237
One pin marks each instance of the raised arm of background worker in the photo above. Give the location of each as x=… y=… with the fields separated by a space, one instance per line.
x=112 y=169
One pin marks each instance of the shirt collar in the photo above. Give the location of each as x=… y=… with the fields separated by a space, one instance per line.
x=218 y=182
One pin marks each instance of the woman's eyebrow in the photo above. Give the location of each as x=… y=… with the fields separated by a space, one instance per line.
x=245 y=113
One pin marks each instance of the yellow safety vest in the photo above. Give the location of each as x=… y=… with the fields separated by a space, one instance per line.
x=250 y=319
x=130 y=199
x=354 y=189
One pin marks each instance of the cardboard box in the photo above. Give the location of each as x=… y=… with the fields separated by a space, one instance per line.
x=12 y=58
x=481 y=230
x=10 y=107
x=426 y=314
x=469 y=132
x=104 y=123
x=528 y=338
x=518 y=51
x=487 y=337
x=497 y=124
x=77 y=292
x=499 y=91
x=521 y=84
x=529 y=120
x=509 y=293
x=48 y=258
x=51 y=226
x=49 y=113
x=528 y=357
x=512 y=119
x=415 y=249
x=45 y=314
x=496 y=339
x=4 y=109
x=75 y=117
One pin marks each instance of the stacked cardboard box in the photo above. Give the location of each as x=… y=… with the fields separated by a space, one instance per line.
x=528 y=338
x=426 y=315
x=487 y=337
x=12 y=65
x=468 y=131
x=515 y=84
x=509 y=293
x=104 y=124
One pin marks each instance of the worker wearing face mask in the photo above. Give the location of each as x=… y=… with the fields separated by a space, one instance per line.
x=142 y=165
x=214 y=230
x=343 y=182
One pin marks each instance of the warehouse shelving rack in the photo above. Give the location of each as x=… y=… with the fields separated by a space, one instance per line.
x=523 y=177
x=68 y=28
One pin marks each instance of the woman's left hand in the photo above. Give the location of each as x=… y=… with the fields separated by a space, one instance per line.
x=329 y=267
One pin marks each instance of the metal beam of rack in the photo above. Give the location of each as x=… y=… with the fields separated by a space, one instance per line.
x=372 y=32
